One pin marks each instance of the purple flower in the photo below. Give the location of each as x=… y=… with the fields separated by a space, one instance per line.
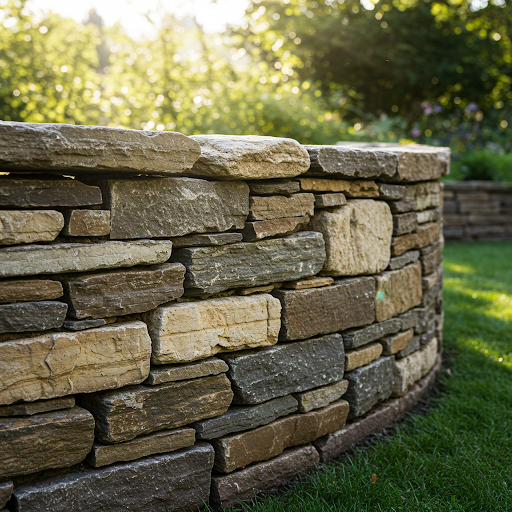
x=416 y=132
x=473 y=107
x=438 y=108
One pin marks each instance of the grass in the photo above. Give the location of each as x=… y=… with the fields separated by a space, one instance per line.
x=458 y=455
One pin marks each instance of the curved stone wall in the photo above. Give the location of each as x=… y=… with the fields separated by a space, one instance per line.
x=194 y=319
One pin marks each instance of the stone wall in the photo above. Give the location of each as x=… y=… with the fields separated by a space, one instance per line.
x=192 y=320
x=477 y=210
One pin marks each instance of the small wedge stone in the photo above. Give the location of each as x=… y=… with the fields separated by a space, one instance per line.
x=393 y=344
x=276 y=227
x=206 y=239
x=362 y=356
x=310 y=282
x=28 y=226
x=82 y=325
x=195 y=370
x=31 y=408
x=320 y=397
x=29 y=290
x=32 y=316
x=255 y=289
x=358 y=337
x=87 y=223
x=274 y=187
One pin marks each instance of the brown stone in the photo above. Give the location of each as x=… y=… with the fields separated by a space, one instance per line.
x=393 y=344
x=275 y=227
x=391 y=192
x=329 y=200
x=86 y=223
x=205 y=239
x=345 y=304
x=274 y=187
x=398 y=291
x=29 y=290
x=194 y=370
x=404 y=223
x=6 y=489
x=255 y=289
x=402 y=206
x=426 y=194
x=405 y=259
x=238 y=450
x=31 y=408
x=28 y=226
x=431 y=257
x=320 y=397
x=44 y=441
x=309 y=282
x=427 y=234
x=353 y=189
x=473 y=196
x=362 y=356
x=280 y=207
x=124 y=414
x=404 y=243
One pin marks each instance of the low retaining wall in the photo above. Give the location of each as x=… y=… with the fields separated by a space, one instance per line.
x=477 y=210
x=190 y=320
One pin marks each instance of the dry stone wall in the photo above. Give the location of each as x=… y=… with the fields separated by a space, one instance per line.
x=186 y=320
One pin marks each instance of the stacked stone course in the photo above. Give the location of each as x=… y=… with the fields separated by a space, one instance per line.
x=186 y=320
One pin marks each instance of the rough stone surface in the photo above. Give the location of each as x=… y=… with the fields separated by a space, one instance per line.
x=215 y=269
x=404 y=243
x=82 y=325
x=179 y=481
x=276 y=227
x=410 y=319
x=350 y=162
x=402 y=206
x=27 y=226
x=184 y=205
x=404 y=223
x=228 y=489
x=21 y=192
x=393 y=344
x=238 y=450
x=428 y=216
x=28 y=290
x=160 y=442
x=242 y=418
x=320 y=397
x=260 y=375
x=391 y=192
x=357 y=237
x=413 y=345
x=397 y=291
x=205 y=239
x=427 y=194
x=64 y=148
x=58 y=258
x=195 y=330
x=431 y=258
x=405 y=259
x=359 y=337
x=31 y=408
x=369 y=385
x=173 y=373
x=345 y=304
x=309 y=282
x=362 y=356
x=87 y=223
x=65 y=363
x=329 y=200
x=428 y=234
x=44 y=441
x=356 y=189
x=255 y=289
x=273 y=187
x=32 y=316
x=6 y=491
x=280 y=207
x=249 y=157
x=124 y=414
x=122 y=292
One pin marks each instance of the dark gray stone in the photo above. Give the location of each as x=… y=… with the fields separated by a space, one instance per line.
x=206 y=239
x=409 y=319
x=403 y=205
x=179 y=481
x=214 y=269
x=273 y=187
x=260 y=375
x=369 y=385
x=82 y=325
x=390 y=191
x=428 y=336
x=194 y=370
x=403 y=260
x=5 y=493
x=414 y=345
x=31 y=408
x=32 y=316
x=426 y=319
x=241 y=418
x=404 y=223
x=359 y=337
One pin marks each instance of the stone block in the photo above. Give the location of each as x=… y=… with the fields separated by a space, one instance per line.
x=238 y=450
x=275 y=227
x=124 y=414
x=280 y=207
x=309 y=282
x=86 y=223
x=405 y=259
x=20 y=192
x=427 y=337
x=431 y=257
x=29 y=290
x=214 y=269
x=123 y=292
x=242 y=418
x=473 y=196
x=432 y=285
x=229 y=489
x=65 y=363
x=402 y=206
x=260 y=375
x=6 y=489
x=44 y=441
x=32 y=316
x=404 y=223
x=173 y=373
x=81 y=325
x=413 y=345
x=369 y=385
x=357 y=237
x=403 y=243
x=73 y=149
x=362 y=356
x=161 y=442
x=179 y=481
x=453 y=233
x=358 y=337
x=274 y=187
x=206 y=239
x=397 y=291
x=393 y=344
x=320 y=397
x=410 y=319
x=486 y=232
x=185 y=205
x=427 y=194
x=59 y=258
x=491 y=207
x=249 y=157
x=391 y=191
x=27 y=226
x=329 y=200
x=428 y=234
x=31 y=408
x=345 y=304
x=428 y=216
x=353 y=189
x=195 y=330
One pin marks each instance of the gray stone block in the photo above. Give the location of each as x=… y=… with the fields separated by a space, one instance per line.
x=32 y=316
x=403 y=260
x=82 y=325
x=31 y=408
x=391 y=192
x=413 y=345
x=194 y=370
x=206 y=239
x=273 y=187
x=359 y=337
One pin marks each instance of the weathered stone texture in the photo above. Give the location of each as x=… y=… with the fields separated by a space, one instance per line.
x=173 y=373
x=357 y=237
x=359 y=337
x=403 y=243
x=122 y=292
x=59 y=258
x=345 y=304
x=280 y=207
x=32 y=316
x=87 y=223
x=82 y=325
x=402 y=206
x=124 y=414
x=427 y=194
x=431 y=257
x=205 y=239
x=44 y=441
x=362 y=356
x=405 y=259
x=31 y=408
x=391 y=192
x=249 y=157
x=254 y=289
x=27 y=226
x=397 y=291
x=6 y=491
x=179 y=481
x=273 y=187
x=393 y=344
x=242 y=418
x=276 y=227
x=329 y=200
x=183 y=206
x=260 y=375
x=28 y=290
x=195 y=330
x=309 y=282
x=428 y=234
x=413 y=345
x=428 y=216
x=353 y=189
x=404 y=223
x=320 y=397
x=65 y=363
x=69 y=149
x=214 y=269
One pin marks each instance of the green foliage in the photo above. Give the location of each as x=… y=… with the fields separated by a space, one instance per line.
x=482 y=165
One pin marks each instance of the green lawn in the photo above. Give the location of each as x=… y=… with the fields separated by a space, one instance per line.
x=458 y=455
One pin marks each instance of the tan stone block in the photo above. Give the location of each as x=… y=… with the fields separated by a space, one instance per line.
x=29 y=290
x=309 y=282
x=357 y=237
x=195 y=330
x=320 y=397
x=394 y=344
x=66 y=363
x=27 y=226
x=275 y=227
x=87 y=223
x=428 y=216
x=280 y=207
x=362 y=356
x=330 y=200
x=427 y=234
x=356 y=189
x=426 y=194
x=404 y=243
